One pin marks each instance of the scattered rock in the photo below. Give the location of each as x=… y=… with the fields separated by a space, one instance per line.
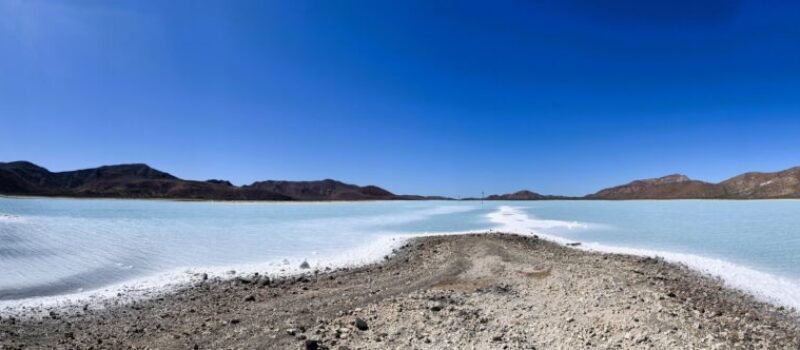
x=361 y=324
x=312 y=344
x=264 y=281
x=305 y=265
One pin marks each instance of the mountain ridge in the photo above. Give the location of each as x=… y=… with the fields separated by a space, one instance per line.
x=750 y=185
x=138 y=180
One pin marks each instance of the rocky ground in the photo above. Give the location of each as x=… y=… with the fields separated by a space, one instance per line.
x=487 y=291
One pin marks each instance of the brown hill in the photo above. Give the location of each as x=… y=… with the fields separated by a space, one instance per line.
x=668 y=187
x=782 y=184
x=142 y=181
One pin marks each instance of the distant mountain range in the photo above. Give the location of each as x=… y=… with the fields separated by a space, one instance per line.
x=142 y=181
x=753 y=185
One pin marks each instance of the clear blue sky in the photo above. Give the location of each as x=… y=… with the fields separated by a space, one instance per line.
x=426 y=97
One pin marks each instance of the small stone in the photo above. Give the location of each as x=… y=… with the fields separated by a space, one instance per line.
x=250 y=298
x=312 y=344
x=305 y=265
x=361 y=324
x=264 y=281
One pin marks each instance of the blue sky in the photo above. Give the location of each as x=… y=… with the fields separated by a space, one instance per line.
x=425 y=97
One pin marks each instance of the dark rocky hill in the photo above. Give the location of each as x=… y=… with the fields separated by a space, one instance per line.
x=321 y=190
x=523 y=195
x=142 y=181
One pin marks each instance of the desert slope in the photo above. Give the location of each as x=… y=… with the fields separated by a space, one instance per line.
x=782 y=184
x=668 y=187
x=753 y=185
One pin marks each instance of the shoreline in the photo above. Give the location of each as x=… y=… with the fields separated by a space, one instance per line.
x=485 y=290
x=763 y=286
x=166 y=283
x=773 y=289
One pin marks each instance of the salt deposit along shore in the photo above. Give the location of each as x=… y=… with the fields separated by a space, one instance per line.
x=482 y=291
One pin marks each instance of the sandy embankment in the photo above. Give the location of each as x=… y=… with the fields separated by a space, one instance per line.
x=487 y=291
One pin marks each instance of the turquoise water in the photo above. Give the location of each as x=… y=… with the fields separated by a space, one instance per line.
x=63 y=247
x=761 y=234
